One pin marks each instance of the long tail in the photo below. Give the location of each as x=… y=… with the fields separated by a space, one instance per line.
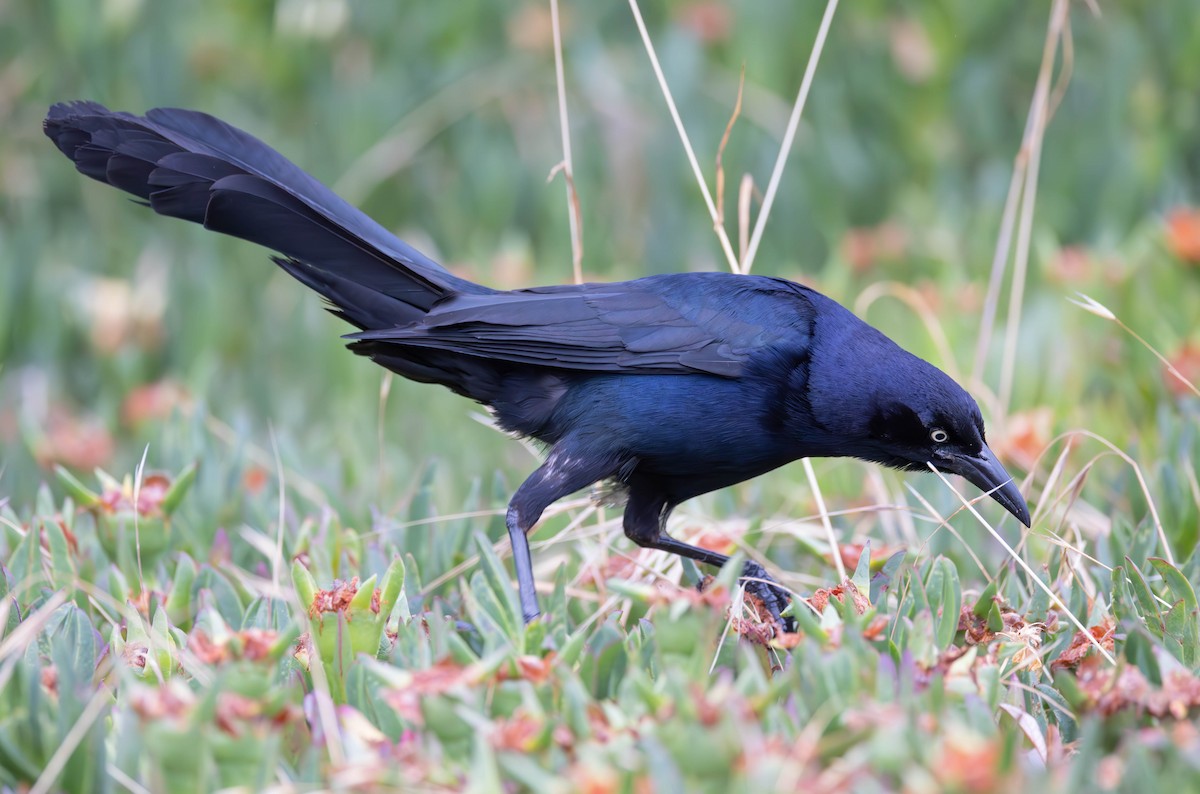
x=190 y=165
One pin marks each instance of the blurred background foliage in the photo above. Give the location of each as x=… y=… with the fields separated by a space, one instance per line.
x=440 y=120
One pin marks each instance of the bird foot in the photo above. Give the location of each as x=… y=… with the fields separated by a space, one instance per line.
x=774 y=598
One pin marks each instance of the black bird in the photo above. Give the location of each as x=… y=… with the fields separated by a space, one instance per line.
x=669 y=386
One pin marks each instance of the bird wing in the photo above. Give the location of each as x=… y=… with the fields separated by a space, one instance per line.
x=689 y=323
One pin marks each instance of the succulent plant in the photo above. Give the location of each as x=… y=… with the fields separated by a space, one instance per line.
x=348 y=619
x=132 y=517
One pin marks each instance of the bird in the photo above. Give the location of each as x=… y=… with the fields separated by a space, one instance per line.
x=664 y=387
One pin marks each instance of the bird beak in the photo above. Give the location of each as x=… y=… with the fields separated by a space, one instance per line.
x=985 y=472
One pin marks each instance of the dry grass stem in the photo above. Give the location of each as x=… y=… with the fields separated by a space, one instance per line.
x=97 y=704
x=1137 y=471
x=834 y=549
x=730 y=257
x=789 y=135
x=277 y=560
x=1025 y=566
x=991 y=299
x=1033 y=151
x=326 y=713
x=13 y=646
x=385 y=390
x=1098 y=309
x=745 y=196
x=300 y=485
x=944 y=523
x=733 y=117
x=1020 y=192
x=125 y=781
x=502 y=547
x=138 y=474
x=920 y=307
x=574 y=216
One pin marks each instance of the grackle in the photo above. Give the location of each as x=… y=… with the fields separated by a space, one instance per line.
x=667 y=386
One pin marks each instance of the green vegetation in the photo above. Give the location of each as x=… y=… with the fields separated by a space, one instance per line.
x=194 y=619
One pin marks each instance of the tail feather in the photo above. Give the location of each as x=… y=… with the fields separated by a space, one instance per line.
x=362 y=306
x=189 y=165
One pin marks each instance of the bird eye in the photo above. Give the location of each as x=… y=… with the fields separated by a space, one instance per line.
x=938 y=435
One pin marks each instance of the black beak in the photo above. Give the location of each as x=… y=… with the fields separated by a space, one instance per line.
x=985 y=472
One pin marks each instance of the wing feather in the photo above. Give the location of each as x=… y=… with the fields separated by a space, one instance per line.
x=694 y=323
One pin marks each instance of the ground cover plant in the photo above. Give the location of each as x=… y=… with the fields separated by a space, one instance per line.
x=235 y=556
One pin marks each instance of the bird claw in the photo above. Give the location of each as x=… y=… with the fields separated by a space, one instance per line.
x=763 y=586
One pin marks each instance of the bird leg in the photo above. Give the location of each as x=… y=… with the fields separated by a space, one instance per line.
x=518 y=536
x=561 y=474
x=646 y=513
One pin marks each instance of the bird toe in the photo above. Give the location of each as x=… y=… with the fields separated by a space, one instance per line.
x=774 y=598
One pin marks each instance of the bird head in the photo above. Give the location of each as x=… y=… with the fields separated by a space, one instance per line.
x=945 y=429
x=888 y=406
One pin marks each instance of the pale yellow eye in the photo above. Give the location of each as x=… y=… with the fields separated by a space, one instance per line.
x=939 y=436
